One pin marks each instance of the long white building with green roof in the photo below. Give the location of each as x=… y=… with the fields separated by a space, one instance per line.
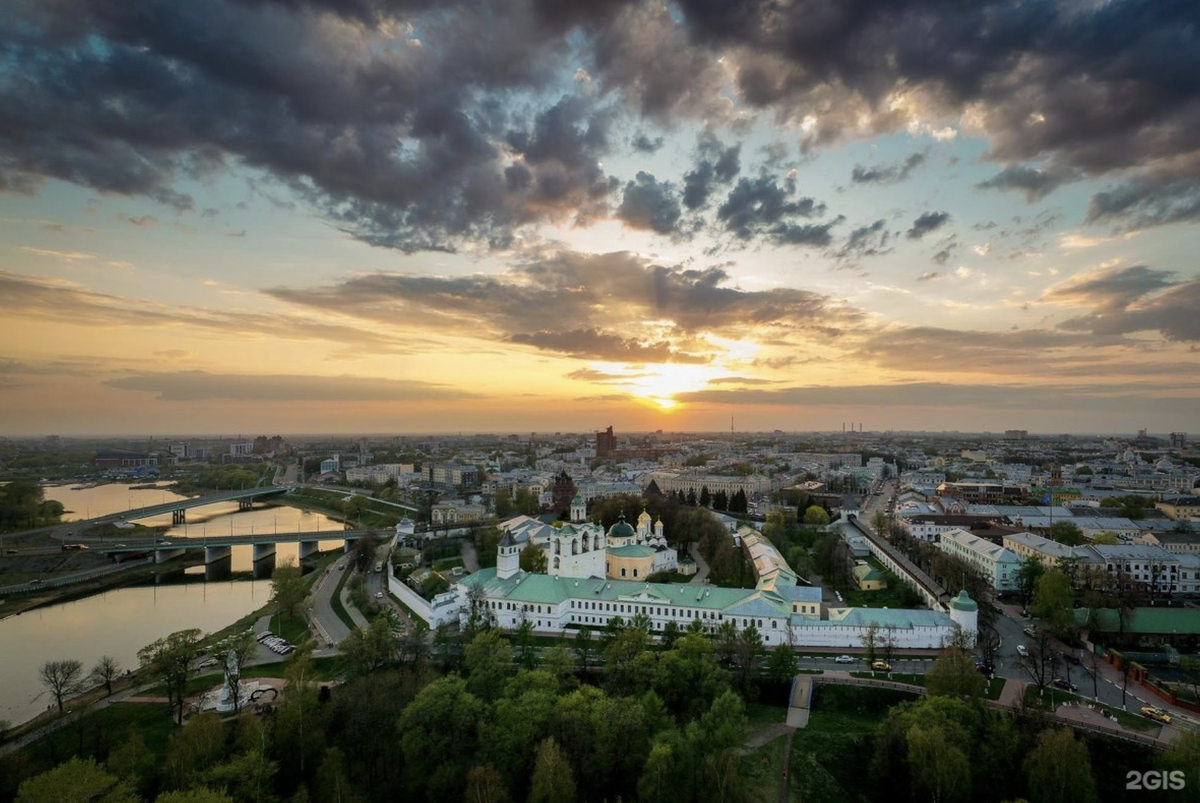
x=782 y=611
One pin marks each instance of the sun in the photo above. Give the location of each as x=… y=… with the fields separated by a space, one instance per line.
x=660 y=384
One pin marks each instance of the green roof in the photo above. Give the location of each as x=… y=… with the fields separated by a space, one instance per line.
x=631 y=551
x=963 y=602
x=1156 y=621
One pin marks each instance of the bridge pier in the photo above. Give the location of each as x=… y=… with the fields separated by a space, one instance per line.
x=212 y=554
x=178 y=516
x=164 y=555
x=309 y=548
x=245 y=504
x=264 y=552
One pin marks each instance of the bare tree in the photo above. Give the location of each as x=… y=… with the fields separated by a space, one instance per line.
x=870 y=641
x=62 y=679
x=1040 y=658
x=106 y=671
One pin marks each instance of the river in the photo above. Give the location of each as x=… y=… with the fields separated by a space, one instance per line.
x=122 y=621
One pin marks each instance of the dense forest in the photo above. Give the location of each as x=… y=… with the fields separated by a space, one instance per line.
x=609 y=716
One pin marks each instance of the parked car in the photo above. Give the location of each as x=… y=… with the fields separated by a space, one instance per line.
x=1156 y=713
x=378 y=595
x=843 y=659
x=881 y=666
x=1022 y=651
x=1064 y=685
x=1070 y=658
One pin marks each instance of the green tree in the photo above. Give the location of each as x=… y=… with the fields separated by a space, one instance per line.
x=749 y=648
x=816 y=516
x=62 y=679
x=533 y=559
x=486 y=785
x=369 y=649
x=193 y=750
x=1059 y=770
x=489 y=660
x=170 y=660
x=1054 y=602
x=199 y=795
x=584 y=647
x=954 y=675
x=783 y=664
x=76 y=781
x=938 y=763
x=288 y=588
x=1027 y=575
x=705 y=497
x=439 y=735
x=503 y=504
x=553 y=781
x=1066 y=533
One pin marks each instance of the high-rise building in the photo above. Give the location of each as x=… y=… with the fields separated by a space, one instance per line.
x=606 y=443
x=1178 y=440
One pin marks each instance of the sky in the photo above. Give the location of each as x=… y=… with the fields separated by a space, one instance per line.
x=302 y=216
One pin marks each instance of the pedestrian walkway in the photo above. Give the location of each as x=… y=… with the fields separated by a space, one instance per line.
x=701 y=575
x=1013 y=693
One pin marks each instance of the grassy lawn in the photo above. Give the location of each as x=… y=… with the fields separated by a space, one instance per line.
x=762 y=772
x=760 y=714
x=445 y=564
x=830 y=758
x=97 y=734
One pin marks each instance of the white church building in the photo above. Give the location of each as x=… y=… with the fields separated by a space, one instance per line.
x=580 y=590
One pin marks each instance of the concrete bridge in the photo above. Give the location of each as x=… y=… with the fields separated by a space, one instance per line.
x=218 y=547
x=244 y=497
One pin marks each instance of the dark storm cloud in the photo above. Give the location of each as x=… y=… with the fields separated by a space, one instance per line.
x=765 y=205
x=643 y=143
x=647 y=204
x=1098 y=87
x=422 y=125
x=929 y=221
x=1133 y=299
x=1141 y=205
x=715 y=164
x=929 y=276
x=1035 y=183
x=594 y=344
x=871 y=240
x=887 y=174
x=403 y=143
x=201 y=386
x=600 y=294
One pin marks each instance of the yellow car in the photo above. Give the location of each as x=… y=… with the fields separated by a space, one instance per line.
x=1157 y=714
x=881 y=666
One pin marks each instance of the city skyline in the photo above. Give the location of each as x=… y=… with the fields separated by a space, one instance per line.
x=520 y=216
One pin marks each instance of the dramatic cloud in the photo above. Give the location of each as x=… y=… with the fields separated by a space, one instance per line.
x=608 y=298
x=930 y=221
x=200 y=386
x=1133 y=299
x=716 y=164
x=1142 y=205
x=869 y=240
x=647 y=204
x=764 y=205
x=1035 y=183
x=887 y=174
x=593 y=344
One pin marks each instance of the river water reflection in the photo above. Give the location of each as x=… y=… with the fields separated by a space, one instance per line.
x=122 y=621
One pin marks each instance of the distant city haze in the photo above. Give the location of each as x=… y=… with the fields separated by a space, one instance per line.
x=694 y=217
